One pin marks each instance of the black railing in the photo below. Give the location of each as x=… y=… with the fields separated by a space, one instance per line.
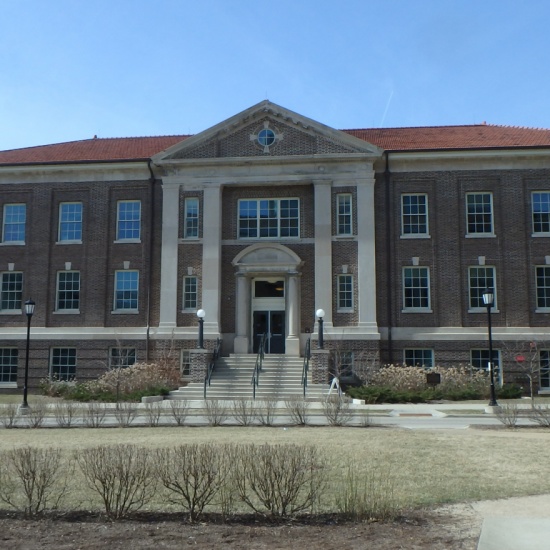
x=212 y=365
x=305 y=369
x=258 y=365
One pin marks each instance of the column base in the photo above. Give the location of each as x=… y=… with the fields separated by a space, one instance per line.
x=292 y=346
x=240 y=345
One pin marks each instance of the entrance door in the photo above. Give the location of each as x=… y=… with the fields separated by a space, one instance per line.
x=271 y=323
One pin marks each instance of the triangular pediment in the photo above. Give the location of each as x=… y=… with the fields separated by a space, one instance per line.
x=267 y=130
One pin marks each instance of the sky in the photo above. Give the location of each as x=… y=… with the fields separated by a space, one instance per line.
x=72 y=69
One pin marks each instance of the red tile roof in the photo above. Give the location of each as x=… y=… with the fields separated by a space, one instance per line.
x=478 y=136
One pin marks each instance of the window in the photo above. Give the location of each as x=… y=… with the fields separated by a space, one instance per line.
x=544 y=369
x=345 y=292
x=126 y=290
x=416 y=288
x=68 y=291
x=185 y=364
x=11 y=291
x=543 y=287
x=540 y=207
x=121 y=357
x=190 y=293
x=418 y=357
x=191 y=219
x=414 y=215
x=479 y=359
x=479 y=213
x=63 y=363
x=70 y=222
x=343 y=204
x=129 y=221
x=8 y=365
x=15 y=217
x=481 y=278
x=342 y=363
x=269 y=218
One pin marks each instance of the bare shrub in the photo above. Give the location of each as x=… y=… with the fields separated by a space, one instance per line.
x=366 y=419
x=244 y=411
x=337 y=410
x=8 y=415
x=179 y=409
x=508 y=414
x=194 y=474
x=65 y=413
x=153 y=412
x=36 y=413
x=266 y=411
x=297 y=408
x=125 y=413
x=541 y=415
x=34 y=480
x=216 y=412
x=94 y=414
x=122 y=475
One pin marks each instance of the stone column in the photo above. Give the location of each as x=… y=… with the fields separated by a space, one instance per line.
x=292 y=346
x=242 y=324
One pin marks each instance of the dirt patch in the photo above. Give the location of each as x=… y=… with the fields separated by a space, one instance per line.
x=449 y=528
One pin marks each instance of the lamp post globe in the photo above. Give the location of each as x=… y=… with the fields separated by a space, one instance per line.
x=488 y=297
x=201 y=314
x=320 y=314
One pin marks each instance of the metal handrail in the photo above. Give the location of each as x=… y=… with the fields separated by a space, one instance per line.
x=258 y=366
x=212 y=365
x=305 y=369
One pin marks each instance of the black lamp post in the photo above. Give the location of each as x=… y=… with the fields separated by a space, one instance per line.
x=200 y=314
x=320 y=314
x=29 y=310
x=488 y=299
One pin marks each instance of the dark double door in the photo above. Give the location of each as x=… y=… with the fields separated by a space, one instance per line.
x=271 y=323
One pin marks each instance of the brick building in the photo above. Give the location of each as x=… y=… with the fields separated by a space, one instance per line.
x=260 y=221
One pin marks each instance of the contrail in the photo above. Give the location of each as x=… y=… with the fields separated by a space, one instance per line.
x=386 y=110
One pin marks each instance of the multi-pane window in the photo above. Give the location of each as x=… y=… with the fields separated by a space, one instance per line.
x=190 y=293
x=185 y=364
x=68 y=290
x=129 y=220
x=544 y=369
x=543 y=287
x=342 y=363
x=414 y=214
x=345 y=292
x=344 y=216
x=11 y=291
x=479 y=213
x=191 y=218
x=70 y=221
x=126 y=290
x=416 y=288
x=8 y=365
x=480 y=279
x=269 y=218
x=63 y=363
x=540 y=207
x=122 y=357
x=15 y=217
x=479 y=359
x=419 y=357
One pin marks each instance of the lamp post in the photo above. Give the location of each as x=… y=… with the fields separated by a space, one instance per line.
x=488 y=299
x=200 y=314
x=320 y=314
x=29 y=310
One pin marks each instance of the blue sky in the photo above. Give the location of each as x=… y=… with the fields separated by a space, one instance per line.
x=70 y=69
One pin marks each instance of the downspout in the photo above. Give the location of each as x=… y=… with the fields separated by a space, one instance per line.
x=389 y=248
x=151 y=262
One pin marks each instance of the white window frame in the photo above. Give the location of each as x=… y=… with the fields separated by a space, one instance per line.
x=191 y=218
x=258 y=219
x=536 y=233
x=5 y=224
x=544 y=370
x=416 y=309
x=59 y=291
x=545 y=289
x=186 y=293
x=127 y=357
x=416 y=363
x=479 y=234
x=76 y=222
x=119 y=221
x=420 y=234
x=344 y=219
x=8 y=380
x=481 y=288
x=67 y=375
x=185 y=363
x=16 y=310
x=341 y=281
x=136 y=290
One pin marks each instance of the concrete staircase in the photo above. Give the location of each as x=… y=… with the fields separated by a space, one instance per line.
x=281 y=377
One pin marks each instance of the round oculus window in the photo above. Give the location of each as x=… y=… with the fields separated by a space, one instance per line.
x=266 y=137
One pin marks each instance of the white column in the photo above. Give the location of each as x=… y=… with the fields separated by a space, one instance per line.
x=323 y=250
x=211 y=257
x=366 y=262
x=169 y=255
x=242 y=305
x=292 y=346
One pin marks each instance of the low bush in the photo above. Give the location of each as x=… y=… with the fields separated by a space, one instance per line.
x=510 y=391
